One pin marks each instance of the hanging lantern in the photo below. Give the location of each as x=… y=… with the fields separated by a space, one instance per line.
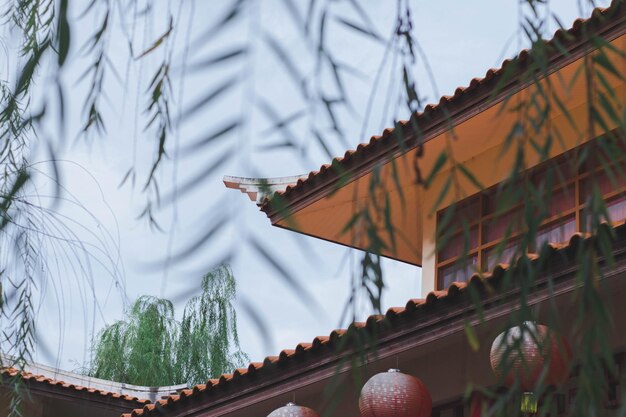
x=394 y=394
x=293 y=410
x=526 y=353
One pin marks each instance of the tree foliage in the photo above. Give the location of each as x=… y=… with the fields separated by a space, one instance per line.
x=150 y=347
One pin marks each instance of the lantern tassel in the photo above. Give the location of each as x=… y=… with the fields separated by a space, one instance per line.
x=529 y=403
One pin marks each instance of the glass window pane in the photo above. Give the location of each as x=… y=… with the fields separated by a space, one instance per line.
x=562 y=170
x=604 y=183
x=493 y=256
x=497 y=227
x=502 y=200
x=459 y=244
x=464 y=213
x=597 y=157
x=558 y=232
x=562 y=200
x=617 y=210
x=457 y=271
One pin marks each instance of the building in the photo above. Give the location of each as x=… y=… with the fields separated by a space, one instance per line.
x=50 y=392
x=429 y=337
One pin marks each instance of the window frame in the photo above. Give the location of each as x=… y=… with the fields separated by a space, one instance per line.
x=579 y=176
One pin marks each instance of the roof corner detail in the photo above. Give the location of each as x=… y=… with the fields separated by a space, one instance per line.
x=258 y=189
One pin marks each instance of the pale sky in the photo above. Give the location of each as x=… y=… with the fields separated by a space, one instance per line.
x=461 y=39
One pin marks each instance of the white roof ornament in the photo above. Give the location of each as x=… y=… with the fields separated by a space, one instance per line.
x=260 y=188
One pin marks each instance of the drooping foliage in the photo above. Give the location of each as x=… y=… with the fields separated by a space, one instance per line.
x=209 y=324
x=150 y=347
x=139 y=349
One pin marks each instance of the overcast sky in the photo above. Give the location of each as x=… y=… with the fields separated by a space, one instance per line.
x=461 y=39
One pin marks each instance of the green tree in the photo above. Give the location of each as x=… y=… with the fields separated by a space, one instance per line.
x=209 y=325
x=151 y=348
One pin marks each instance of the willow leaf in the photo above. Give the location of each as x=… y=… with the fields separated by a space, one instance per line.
x=439 y=163
x=159 y=41
x=63 y=33
x=218 y=59
x=209 y=98
x=356 y=27
x=220 y=133
x=285 y=275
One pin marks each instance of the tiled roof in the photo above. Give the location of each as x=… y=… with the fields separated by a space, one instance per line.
x=50 y=382
x=436 y=115
x=415 y=311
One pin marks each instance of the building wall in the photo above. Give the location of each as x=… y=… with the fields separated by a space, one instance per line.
x=50 y=401
x=477 y=142
x=29 y=408
x=442 y=358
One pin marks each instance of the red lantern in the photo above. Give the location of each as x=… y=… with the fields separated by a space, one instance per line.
x=524 y=352
x=394 y=394
x=293 y=410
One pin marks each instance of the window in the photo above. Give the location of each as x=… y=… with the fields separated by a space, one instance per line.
x=481 y=231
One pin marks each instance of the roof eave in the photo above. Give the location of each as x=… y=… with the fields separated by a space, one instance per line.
x=466 y=103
